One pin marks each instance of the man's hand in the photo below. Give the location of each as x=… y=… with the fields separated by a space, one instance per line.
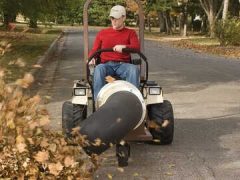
x=118 y=48
x=92 y=62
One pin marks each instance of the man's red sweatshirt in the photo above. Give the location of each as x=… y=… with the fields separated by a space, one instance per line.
x=109 y=37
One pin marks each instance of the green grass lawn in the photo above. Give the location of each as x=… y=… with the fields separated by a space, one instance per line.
x=194 y=38
x=26 y=49
x=205 y=41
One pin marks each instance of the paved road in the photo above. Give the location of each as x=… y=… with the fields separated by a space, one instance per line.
x=205 y=93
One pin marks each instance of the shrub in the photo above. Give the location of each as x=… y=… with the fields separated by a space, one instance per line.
x=228 y=32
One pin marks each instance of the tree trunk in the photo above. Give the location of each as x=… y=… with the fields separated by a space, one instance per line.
x=211 y=20
x=204 y=24
x=181 y=23
x=225 y=10
x=168 y=22
x=234 y=8
x=192 y=23
x=212 y=11
x=162 y=25
x=185 y=21
x=7 y=19
x=33 y=23
x=149 y=24
x=174 y=23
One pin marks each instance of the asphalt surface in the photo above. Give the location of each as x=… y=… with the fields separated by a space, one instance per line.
x=205 y=93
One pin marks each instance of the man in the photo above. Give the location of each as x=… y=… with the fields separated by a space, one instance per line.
x=115 y=63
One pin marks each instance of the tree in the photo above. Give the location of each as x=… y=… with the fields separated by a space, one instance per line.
x=163 y=9
x=194 y=10
x=149 y=13
x=9 y=10
x=1 y=10
x=99 y=11
x=212 y=9
x=184 y=5
x=31 y=10
x=234 y=8
x=67 y=11
x=36 y=10
x=75 y=11
x=225 y=10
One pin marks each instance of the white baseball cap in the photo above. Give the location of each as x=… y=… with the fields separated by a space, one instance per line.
x=117 y=11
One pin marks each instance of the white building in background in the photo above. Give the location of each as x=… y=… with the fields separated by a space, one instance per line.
x=21 y=19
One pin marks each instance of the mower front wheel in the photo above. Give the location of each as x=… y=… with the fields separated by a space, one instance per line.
x=72 y=116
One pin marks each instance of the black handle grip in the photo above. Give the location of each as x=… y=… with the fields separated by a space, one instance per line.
x=98 y=52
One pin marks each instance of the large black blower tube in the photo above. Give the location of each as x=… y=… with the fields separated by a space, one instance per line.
x=112 y=121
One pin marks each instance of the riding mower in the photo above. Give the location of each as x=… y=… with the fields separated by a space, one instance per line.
x=121 y=112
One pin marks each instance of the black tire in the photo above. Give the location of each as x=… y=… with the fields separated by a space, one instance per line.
x=158 y=113
x=72 y=116
x=123 y=153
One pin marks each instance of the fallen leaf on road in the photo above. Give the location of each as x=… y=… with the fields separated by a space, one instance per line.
x=42 y=156
x=135 y=174
x=2 y=73
x=44 y=121
x=69 y=161
x=169 y=173
x=44 y=143
x=120 y=169
x=20 y=62
x=47 y=97
x=171 y=165
x=21 y=147
x=37 y=66
x=109 y=176
x=55 y=169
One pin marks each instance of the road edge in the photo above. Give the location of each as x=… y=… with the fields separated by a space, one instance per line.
x=47 y=55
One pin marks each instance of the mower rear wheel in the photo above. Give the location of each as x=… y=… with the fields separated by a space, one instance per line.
x=162 y=115
x=72 y=116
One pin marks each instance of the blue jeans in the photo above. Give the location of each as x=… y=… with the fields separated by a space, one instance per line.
x=125 y=71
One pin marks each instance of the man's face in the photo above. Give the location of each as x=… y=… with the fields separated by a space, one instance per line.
x=117 y=24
